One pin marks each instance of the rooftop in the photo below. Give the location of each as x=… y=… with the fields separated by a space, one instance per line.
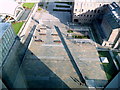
x=8 y=7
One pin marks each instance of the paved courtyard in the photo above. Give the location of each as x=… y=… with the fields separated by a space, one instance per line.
x=46 y=63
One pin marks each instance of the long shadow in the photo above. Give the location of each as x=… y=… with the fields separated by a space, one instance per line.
x=70 y=55
x=33 y=74
x=18 y=52
x=37 y=74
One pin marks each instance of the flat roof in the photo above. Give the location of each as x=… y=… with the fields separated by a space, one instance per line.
x=3 y=28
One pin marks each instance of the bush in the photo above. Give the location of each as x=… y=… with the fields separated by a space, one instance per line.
x=70 y=31
x=28 y=5
x=39 y=9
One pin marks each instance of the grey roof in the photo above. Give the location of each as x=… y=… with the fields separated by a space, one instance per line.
x=3 y=28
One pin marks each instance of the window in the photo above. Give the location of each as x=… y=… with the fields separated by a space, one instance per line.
x=98 y=11
x=100 y=4
x=75 y=20
x=94 y=11
x=82 y=10
x=87 y=15
x=75 y=9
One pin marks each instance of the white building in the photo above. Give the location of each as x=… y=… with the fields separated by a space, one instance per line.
x=85 y=11
x=10 y=10
x=7 y=38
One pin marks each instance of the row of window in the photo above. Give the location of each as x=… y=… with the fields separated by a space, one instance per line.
x=86 y=20
x=85 y=15
x=82 y=20
x=94 y=11
x=89 y=4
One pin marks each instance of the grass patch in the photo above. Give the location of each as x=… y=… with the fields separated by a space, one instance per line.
x=28 y=5
x=104 y=54
x=109 y=68
x=62 y=6
x=115 y=53
x=39 y=9
x=61 y=10
x=16 y=26
x=70 y=31
x=80 y=37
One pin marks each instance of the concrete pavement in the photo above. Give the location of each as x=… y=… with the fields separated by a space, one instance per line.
x=46 y=64
x=61 y=64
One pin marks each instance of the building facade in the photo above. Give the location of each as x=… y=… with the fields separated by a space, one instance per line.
x=7 y=38
x=111 y=26
x=85 y=11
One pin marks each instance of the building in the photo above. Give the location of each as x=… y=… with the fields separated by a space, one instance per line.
x=108 y=30
x=111 y=26
x=85 y=11
x=10 y=10
x=7 y=38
